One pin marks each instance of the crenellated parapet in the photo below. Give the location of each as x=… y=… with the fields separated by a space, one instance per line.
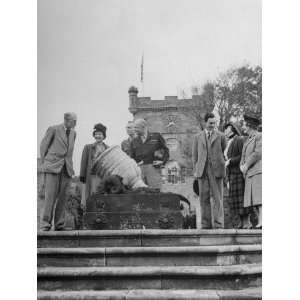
x=169 y=103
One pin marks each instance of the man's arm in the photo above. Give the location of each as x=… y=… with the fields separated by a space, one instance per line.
x=83 y=164
x=223 y=142
x=132 y=150
x=256 y=154
x=195 y=151
x=165 y=149
x=46 y=142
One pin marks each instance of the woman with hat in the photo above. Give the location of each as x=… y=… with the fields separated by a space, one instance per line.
x=89 y=155
x=236 y=182
x=251 y=167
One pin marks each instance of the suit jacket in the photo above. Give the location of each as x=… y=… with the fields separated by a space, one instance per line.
x=234 y=153
x=56 y=151
x=216 y=157
x=252 y=154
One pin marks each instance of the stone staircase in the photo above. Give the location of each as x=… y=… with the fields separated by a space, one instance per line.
x=150 y=264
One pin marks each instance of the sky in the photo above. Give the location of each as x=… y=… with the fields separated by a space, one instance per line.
x=89 y=54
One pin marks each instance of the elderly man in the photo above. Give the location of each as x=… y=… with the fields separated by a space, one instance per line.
x=209 y=167
x=125 y=145
x=149 y=150
x=56 y=156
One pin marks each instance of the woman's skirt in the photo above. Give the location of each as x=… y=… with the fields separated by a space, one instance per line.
x=253 y=190
x=236 y=192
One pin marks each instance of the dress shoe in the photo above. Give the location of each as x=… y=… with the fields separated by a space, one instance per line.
x=240 y=226
x=249 y=226
x=60 y=229
x=45 y=229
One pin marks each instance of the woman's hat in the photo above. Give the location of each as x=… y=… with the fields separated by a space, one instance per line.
x=100 y=127
x=234 y=127
x=252 y=119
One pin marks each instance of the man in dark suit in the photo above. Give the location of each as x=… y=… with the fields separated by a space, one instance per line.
x=209 y=169
x=56 y=151
x=149 y=150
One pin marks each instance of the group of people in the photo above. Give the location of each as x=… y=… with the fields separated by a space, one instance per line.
x=148 y=149
x=228 y=158
x=215 y=157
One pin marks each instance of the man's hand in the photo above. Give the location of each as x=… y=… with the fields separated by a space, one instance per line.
x=157 y=163
x=140 y=163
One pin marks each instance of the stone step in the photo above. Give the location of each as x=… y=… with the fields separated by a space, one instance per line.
x=149 y=256
x=147 y=238
x=245 y=294
x=154 y=277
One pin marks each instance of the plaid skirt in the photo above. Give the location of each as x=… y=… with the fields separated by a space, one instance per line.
x=236 y=192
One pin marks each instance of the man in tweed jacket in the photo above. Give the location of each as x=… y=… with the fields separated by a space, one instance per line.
x=209 y=169
x=56 y=155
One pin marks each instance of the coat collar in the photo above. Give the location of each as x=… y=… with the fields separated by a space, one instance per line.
x=213 y=137
x=63 y=133
x=250 y=138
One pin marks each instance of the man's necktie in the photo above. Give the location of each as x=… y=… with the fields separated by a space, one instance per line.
x=209 y=135
x=68 y=133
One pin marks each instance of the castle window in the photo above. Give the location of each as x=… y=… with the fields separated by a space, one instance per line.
x=175 y=174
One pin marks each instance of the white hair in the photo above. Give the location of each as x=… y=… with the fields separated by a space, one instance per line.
x=141 y=122
x=70 y=115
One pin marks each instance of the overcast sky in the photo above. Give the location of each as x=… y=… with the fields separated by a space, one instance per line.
x=89 y=54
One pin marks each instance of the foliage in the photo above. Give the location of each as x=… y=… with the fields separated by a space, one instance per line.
x=238 y=91
x=232 y=93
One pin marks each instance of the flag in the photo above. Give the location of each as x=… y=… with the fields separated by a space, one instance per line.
x=142 y=69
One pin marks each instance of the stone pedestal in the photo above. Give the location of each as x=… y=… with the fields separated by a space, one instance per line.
x=133 y=211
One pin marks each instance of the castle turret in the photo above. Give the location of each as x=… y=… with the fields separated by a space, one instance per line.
x=133 y=92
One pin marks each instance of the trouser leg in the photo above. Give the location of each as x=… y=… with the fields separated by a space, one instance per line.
x=51 y=191
x=216 y=189
x=59 y=216
x=204 y=197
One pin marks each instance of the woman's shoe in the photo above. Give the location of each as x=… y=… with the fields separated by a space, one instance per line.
x=258 y=226
x=249 y=226
x=240 y=226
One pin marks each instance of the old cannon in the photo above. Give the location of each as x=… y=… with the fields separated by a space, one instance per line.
x=135 y=206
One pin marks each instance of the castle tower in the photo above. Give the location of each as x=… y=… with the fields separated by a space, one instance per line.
x=176 y=119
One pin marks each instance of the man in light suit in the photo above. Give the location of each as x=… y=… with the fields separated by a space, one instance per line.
x=56 y=151
x=209 y=170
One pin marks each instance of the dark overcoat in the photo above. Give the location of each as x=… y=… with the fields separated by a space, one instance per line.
x=234 y=175
x=86 y=166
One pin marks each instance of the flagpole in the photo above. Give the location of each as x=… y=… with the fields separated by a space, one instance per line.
x=142 y=75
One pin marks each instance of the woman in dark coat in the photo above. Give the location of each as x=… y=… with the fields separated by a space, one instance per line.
x=236 y=182
x=89 y=154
